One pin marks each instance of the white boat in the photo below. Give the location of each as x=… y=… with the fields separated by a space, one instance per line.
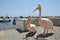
x=21 y=24
x=2 y=19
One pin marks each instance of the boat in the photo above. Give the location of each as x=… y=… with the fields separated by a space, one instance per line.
x=4 y=19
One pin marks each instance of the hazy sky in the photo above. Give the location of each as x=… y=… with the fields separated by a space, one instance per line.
x=25 y=7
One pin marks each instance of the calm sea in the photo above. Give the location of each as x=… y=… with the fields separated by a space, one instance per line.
x=4 y=24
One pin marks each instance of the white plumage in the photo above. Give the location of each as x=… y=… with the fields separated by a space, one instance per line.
x=30 y=27
x=44 y=22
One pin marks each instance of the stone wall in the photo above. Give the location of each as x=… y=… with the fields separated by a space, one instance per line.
x=56 y=22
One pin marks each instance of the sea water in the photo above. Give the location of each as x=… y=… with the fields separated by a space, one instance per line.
x=4 y=24
x=10 y=25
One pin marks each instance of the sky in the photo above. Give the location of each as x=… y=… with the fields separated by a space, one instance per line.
x=17 y=8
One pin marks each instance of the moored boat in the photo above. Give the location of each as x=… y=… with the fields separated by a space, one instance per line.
x=3 y=19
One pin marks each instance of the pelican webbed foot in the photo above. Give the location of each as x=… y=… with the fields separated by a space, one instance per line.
x=30 y=34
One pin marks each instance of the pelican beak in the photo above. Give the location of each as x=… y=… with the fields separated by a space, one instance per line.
x=38 y=8
x=35 y=9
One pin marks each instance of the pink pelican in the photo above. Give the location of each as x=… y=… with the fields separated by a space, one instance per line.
x=44 y=22
x=30 y=27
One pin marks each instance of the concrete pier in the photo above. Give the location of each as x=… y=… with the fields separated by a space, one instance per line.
x=13 y=34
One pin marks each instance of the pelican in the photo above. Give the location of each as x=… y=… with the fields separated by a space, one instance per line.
x=44 y=22
x=30 y=27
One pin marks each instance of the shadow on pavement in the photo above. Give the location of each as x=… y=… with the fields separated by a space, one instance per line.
x=44 y=36
x=41 y=39
x=20 y=31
